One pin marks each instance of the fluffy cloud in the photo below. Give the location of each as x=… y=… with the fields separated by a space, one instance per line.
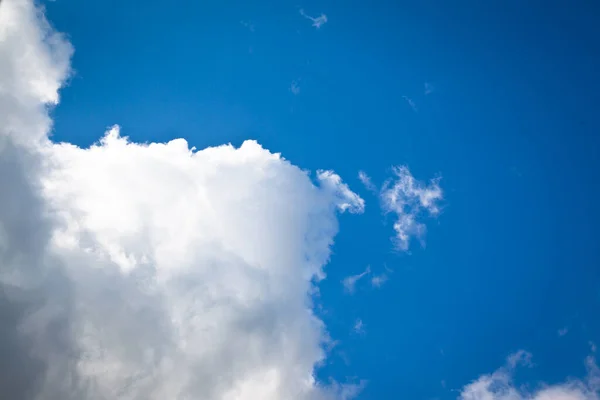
x=407 y=199
x=151 y=271
x=499 y=385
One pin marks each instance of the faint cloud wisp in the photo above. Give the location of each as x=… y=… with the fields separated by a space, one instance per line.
x=295 y=88
x=317 y=22
x=411 y=103
x=359 y=327
x=350 y=282
x=563 y=331
x=248 y=25
x=429 y=88
x=366 y=181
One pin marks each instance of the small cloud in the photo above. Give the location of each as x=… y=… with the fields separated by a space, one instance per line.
x=411 y=103
x=317 y=22
x=295 y=88
x=378 y=280
x=359 y=327
x=366 y=180
x=443 y=383
x=248 y=25
x=408 y=198
x=521 y=357
x=593 y=347
x=563 y=331
x=350 y=282
x=429 y=88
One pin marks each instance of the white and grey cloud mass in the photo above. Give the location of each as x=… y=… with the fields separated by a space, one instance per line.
x=151 y=271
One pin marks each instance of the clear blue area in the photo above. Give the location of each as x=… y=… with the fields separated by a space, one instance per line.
x=512 y=126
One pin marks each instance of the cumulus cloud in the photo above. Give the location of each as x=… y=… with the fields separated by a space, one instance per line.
x=151 y=271
x=408 y=198
x=317 y=22
x=350 y=282
x=499 y=385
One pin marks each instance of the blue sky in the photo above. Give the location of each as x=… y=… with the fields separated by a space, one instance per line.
x=498 y=100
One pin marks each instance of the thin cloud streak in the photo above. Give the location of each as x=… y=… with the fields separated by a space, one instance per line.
x=349 y=282
x=317 y=22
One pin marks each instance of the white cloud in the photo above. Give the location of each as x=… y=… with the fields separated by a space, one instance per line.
x=151 y=271
x=350 y=281
x=499 y=385
x=317 y=22
x=366 y=180
x=408 y=198
x=378 y=280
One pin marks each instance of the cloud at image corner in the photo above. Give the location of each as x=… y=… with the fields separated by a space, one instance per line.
x=143 y=254
x=500 y=385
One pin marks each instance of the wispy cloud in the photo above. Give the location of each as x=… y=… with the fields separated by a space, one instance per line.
x=563 y=331
x=521 y=357
x=350 y=281
x=359 y=327
x=248 y=25
x=366 y=180
x=295 y=87
x=429 y=88
x=408 y=198
x=317 y=22
x=411 y=103
x=378 y=280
